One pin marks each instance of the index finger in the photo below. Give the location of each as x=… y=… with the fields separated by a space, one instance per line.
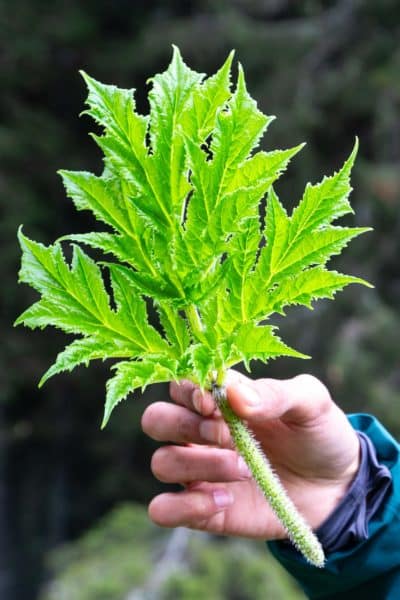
x=188 y=394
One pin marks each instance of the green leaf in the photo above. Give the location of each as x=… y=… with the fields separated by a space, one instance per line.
x=181 y=195
x=202 y=363
x=316 y=248
x=168 y=98
x=241 y=265
x=217 y=207
x=134 y=374
x=175 y=328
x=277 y=226
x=198 y=119
x=84 y=350
x=324 y=202
x=259 y=342
x=123 y=247
x=114 y=109
x=132 y=313
x=155 y=287
x=124 y=145
x=105 y=197
x=309 y=285
x=68 y=300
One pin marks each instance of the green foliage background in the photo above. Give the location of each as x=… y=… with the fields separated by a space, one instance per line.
x=106 y=563
x=328 y=71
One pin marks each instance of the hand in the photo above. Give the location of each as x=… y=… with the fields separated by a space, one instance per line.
x=305 y=435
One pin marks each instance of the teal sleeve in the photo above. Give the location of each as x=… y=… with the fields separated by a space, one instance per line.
x=370 y=567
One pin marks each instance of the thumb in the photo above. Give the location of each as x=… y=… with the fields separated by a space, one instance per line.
x=300 y=399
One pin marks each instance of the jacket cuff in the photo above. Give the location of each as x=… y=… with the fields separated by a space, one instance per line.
x=359 y=526
x=348 y=523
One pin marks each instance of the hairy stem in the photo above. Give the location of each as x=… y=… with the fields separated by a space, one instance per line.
x=297 y=529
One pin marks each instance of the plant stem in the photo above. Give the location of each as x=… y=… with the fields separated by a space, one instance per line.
x=297 y=529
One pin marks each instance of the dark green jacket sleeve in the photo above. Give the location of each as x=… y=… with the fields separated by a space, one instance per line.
x=370 y=568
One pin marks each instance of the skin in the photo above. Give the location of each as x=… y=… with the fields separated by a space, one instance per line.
x=305 y=435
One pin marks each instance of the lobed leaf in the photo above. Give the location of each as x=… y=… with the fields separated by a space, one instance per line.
x=84 y=350
x=259 y=342
x=134 y=374
x=180 y=194
x=309 y=285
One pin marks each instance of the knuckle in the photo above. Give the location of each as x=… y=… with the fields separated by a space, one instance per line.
x=311 y=381
x=314 y=388
x=307 y=379
x=197 y=507
x=184 y=429
x=223 y=464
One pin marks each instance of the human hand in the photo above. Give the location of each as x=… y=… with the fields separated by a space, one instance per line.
x=305 y=435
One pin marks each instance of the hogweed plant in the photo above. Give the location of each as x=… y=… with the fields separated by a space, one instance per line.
x=180 y=195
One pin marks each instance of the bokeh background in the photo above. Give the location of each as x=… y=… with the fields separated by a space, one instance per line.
x=73 y=521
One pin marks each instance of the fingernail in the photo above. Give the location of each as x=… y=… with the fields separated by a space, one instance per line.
x=210 y=431
x=222 y=498
x=197 y=398
x=244 y=470
x=250 y=396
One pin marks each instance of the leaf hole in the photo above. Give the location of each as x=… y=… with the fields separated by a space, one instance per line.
x=105 y=273
x=147 y=142
x=67 y=251
x=185 y=207
x=153 y=316
x=206 y=147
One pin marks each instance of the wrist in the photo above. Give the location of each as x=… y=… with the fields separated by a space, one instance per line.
x=330 y=493
x=348 y=475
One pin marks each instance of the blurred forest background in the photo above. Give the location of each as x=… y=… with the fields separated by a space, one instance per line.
x=72 y=498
